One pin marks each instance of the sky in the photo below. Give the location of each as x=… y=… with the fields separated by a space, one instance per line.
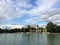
x=28 y=12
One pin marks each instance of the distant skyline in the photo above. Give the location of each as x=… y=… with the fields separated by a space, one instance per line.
x=26 y=12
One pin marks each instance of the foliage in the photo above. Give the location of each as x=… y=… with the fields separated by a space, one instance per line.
x=53 y=27
x=50 y=27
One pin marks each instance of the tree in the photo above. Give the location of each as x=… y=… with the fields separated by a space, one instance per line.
x=23 y=29
x=57 y=28
x=28 y=28
x=0 y=30
x=50 y=27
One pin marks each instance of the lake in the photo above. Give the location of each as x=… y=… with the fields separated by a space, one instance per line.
x=29 y=39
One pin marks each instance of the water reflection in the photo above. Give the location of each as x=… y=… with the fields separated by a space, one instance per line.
x=51 y=39
x=29 y=39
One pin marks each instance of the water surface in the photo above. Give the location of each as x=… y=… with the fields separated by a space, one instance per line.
x=29 y=39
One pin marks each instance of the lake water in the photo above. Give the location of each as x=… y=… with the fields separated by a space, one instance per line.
x=29 y=39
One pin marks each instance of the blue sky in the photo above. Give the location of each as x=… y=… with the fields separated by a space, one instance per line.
x=28 y=12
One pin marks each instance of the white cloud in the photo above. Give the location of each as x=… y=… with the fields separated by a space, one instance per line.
x=44 y=11
x=11 y=26
x=10 y=9
x=43 y=6
x=50 y=15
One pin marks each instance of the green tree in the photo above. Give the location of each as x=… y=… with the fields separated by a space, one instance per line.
x=50 y=27
x=57 y=28
x=0 y=30
x=28 y=28
x=23 y=29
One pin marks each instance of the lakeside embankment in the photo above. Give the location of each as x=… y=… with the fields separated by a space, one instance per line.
x=31 y=33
